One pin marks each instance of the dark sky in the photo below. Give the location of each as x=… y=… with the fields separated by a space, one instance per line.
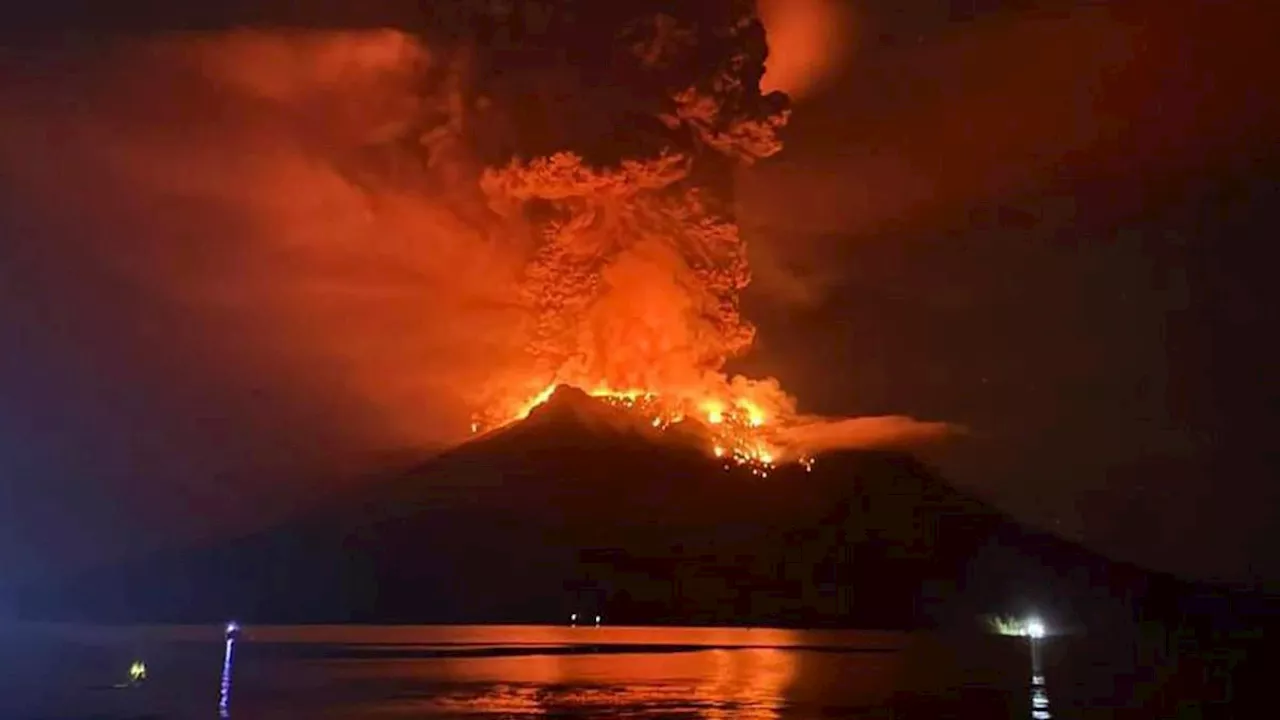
x=1051 y=225
x=1046 y=221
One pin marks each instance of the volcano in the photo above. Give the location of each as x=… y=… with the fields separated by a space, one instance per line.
x=585 y=508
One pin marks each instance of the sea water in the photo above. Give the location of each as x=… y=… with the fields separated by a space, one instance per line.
x=66 y=672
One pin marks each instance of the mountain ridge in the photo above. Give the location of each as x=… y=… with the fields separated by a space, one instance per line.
x=584 y=507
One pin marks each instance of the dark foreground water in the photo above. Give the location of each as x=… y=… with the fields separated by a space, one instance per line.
x=516 y=672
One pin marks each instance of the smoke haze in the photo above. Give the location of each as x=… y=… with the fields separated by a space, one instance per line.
x=881 y=432
x=221 y=276
x=244 y=179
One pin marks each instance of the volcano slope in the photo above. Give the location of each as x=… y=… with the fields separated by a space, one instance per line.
x=584 y=508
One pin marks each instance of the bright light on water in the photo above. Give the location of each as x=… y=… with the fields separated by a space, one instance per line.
x=228 y=656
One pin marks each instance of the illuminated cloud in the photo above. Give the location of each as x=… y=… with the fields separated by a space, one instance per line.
x=809 y=42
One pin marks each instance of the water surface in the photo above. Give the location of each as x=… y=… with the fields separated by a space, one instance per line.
x=515 y=672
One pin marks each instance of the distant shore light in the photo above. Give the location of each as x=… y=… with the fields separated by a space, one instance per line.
x=1031 y=627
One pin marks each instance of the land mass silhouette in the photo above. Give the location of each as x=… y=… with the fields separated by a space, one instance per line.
x=583 y=509
x=585 y=513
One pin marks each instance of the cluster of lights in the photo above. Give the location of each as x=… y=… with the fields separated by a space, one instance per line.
x=1031 y=627
x=737 y=427
x=1034 y=629
x=138 y=671
x=137 y=676
x=1039 y=699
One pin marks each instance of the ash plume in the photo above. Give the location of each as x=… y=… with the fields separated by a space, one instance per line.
x=636 y=265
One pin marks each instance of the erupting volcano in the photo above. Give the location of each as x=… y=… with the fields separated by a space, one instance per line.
x=737 y=430
x=634 y=278
x=636 y=266
x=433 y=227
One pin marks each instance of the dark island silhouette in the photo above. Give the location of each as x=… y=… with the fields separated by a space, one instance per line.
x=582 y=511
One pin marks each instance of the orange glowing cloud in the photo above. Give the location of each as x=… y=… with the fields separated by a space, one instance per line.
x=932 y=127
x=998 y=105
x=809 y=41
x=255 y=182
x=869 y=433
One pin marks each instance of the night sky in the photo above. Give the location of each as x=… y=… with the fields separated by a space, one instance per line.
x=1051 y=226
x=1048 y=222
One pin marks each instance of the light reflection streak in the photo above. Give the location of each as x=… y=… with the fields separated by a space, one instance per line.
x=1039 y=699
x=228 y=657
x=1039 y=695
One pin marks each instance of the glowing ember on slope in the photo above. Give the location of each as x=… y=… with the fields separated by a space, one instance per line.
x=738 y=430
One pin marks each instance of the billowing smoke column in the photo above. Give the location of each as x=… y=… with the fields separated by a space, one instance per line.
x=636 y=266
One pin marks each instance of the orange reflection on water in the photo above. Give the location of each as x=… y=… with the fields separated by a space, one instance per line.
x=555 y=635
x=714 y=684
x=707 y=672
x=748 y=683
